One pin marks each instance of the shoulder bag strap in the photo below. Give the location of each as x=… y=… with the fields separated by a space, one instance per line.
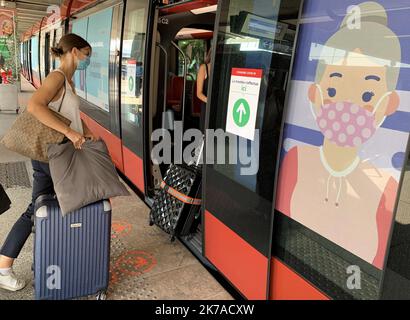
x=65 y=89
x=62 y=100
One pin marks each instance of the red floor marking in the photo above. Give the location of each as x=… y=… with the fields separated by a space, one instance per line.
x=135 y=263
x=113 y=276
x=120 y=228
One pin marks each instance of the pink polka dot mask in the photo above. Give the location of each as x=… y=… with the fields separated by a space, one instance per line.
x=347 y=124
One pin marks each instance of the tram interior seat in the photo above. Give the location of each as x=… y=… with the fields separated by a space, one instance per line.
x=175 y=93
x=175 y=96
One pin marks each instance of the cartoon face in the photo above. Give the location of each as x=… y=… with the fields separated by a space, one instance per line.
x=7 y=28
x=363 y=84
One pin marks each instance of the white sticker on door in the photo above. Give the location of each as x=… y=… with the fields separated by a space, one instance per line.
x=243 y=102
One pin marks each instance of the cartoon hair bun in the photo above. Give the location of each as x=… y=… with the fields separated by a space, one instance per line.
x=369 y=11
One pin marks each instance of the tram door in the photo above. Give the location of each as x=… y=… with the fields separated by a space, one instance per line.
x=132 y=89
x=252 y=62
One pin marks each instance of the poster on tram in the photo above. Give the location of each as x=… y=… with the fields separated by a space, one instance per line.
x=347 y=123
x=8 y=58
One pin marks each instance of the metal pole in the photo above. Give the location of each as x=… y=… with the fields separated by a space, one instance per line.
x=15 y=52
x=184 y=92
x=166 y=75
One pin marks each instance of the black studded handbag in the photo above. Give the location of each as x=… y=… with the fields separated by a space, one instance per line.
x=4 y=200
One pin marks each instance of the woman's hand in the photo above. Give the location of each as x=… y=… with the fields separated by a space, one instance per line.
x=76 y=138
x=90 y=136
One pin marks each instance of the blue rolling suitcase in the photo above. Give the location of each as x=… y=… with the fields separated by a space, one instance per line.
x=71 y=253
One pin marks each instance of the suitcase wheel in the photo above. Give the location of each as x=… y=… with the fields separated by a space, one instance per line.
x=102 y=295
x=173 y=238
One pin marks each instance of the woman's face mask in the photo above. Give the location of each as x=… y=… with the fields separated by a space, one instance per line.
x=347 y=124
x=83 y=64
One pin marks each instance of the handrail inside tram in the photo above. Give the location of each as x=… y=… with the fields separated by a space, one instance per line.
x=184 y=90
x=161 y=47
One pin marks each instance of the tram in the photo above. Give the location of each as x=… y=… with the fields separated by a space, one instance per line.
x=323 y=216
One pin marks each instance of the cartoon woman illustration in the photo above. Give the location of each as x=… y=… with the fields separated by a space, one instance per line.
x=7 y=44
x=7 y=28
x=330 y=189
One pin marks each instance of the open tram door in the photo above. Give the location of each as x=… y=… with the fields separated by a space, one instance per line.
x=252 y=45
x=253 y=57
x=181 y=38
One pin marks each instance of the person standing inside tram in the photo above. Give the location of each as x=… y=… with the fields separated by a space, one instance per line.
x=202 y=88
x=56 y=92
x=330 y=189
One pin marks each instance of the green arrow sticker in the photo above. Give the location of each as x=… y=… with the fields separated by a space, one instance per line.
x=241 y=113
x=131 y=83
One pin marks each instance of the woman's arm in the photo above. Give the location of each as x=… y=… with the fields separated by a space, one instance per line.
x=200 y=84
x=38 y=106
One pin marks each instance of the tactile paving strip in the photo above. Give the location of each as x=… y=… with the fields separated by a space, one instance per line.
x=126 y=272
x=131 y=288
x=324 y=268
x=14 y=174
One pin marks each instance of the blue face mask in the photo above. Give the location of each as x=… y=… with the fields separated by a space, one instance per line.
x=83 y=64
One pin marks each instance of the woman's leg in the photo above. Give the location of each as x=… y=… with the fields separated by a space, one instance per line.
x=42 y=184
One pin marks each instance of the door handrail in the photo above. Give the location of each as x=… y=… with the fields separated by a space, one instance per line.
x=184 y=92
x=165 y=76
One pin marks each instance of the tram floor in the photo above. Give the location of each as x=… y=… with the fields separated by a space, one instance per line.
x=145 y=265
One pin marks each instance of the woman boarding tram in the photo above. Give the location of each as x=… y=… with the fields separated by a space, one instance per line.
x=336 y=193
x=57 y=90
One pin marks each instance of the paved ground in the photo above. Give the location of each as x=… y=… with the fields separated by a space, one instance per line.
x=144 y=264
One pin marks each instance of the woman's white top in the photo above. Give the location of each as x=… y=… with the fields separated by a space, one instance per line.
x=70 y=107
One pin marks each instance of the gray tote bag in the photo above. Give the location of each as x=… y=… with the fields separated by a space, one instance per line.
x=84 y=176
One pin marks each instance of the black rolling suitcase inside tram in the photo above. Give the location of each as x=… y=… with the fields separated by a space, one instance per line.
x=177 y=208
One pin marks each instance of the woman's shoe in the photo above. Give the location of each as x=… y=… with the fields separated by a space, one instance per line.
x=10 y=282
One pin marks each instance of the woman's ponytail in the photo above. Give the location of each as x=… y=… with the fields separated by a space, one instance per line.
x=57 y=52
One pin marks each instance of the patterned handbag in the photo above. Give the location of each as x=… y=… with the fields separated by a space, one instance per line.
x=30 y=137
x=4 y=201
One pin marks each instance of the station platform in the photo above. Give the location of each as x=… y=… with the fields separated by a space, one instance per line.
x=145 y=265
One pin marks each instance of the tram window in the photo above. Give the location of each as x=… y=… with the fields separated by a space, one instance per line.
x=240 y=46
x=92 y=84
x=195 y=51
x=253 y=53
x=58 y=35
x=22 y=54
x=34 y=56
x=132 y=72
x=99 y=37
x=80 y=28
x=133 y=62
